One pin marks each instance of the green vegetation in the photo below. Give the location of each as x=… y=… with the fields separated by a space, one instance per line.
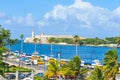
x=51 y=40
x=21 y=37
x=35 y=41
x=96 y=74
x=37 y=78
x=75 y=40
x=21 y=69
x=4 y=41
x=52 y=70
x=87 y=41
x=118 y=41
x=112 y=65
x=73 y=70
x=109 y=70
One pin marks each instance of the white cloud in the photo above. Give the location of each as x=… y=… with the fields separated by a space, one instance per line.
x=29 y=19
x=83 y=16
x=59 y=12
x=80 y=17
x=2 y=14
x=20 y=20
x=8 y=22
x=80 y=4
x=42 y=23
x=117 y=11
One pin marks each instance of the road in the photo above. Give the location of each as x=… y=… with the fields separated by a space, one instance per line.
x=2 y=78
x=36 y=68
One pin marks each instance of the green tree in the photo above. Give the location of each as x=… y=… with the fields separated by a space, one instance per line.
x=75 y=40
x=111 y=64
x=73 y=67
x=52 y=69
x=118 y=41
x=37 y=78
x=11 y=42
x=97 y=74
x=21 y=37
x=4 y=36
x=35 y=42
x=51 y=40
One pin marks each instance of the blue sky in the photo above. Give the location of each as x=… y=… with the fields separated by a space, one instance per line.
x=88 y=18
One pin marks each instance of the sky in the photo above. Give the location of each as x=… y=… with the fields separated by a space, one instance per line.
x=87 y=18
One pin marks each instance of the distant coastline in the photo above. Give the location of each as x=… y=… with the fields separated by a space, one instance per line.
x=100 y=45
x=70 y=40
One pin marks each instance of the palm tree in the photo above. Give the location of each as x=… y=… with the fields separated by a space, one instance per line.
x=111 y=64
x=35 y=42
x=4 y=33
x=11 y=42
x=73 y=67
x=52 y=69
x=75 y=39
x=96 y=74
x=83 y=72
x=51 y=40
x=21 y=37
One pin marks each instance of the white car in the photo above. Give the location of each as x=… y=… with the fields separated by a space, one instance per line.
x=11 y=57
x=27 y=78
x=28 y=62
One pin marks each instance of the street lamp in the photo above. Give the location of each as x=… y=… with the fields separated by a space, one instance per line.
x=92 y=53
x=59 y=54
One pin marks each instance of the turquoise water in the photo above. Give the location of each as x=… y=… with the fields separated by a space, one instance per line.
x=86 y=53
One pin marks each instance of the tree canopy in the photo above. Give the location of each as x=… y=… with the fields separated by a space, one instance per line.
x=4 y=41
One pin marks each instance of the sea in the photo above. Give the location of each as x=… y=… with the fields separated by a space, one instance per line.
x=86 y=53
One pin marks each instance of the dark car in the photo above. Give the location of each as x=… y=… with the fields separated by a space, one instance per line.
x=11 y=76
x=40 y=74
x=21 y=76
x=27 y=75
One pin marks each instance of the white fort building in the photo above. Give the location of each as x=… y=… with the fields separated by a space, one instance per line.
x=44 y=38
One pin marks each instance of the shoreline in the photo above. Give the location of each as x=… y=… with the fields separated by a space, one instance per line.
x=100 y=45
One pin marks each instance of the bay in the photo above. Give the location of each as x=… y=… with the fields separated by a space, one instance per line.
x=86 y=53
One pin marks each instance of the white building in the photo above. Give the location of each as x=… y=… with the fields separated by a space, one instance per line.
x=44 y=38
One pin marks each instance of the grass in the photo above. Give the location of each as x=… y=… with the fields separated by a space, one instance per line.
x=37 y=78
x=21 y=69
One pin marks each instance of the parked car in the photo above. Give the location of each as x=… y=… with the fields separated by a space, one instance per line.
x=27 y=78
x=40 y=74
x=27 y=75
x=21 y=76
x=10 y=76
x=28 y=62
x=11 y=57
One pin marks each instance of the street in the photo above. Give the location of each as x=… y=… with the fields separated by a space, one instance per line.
x=36 y=68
